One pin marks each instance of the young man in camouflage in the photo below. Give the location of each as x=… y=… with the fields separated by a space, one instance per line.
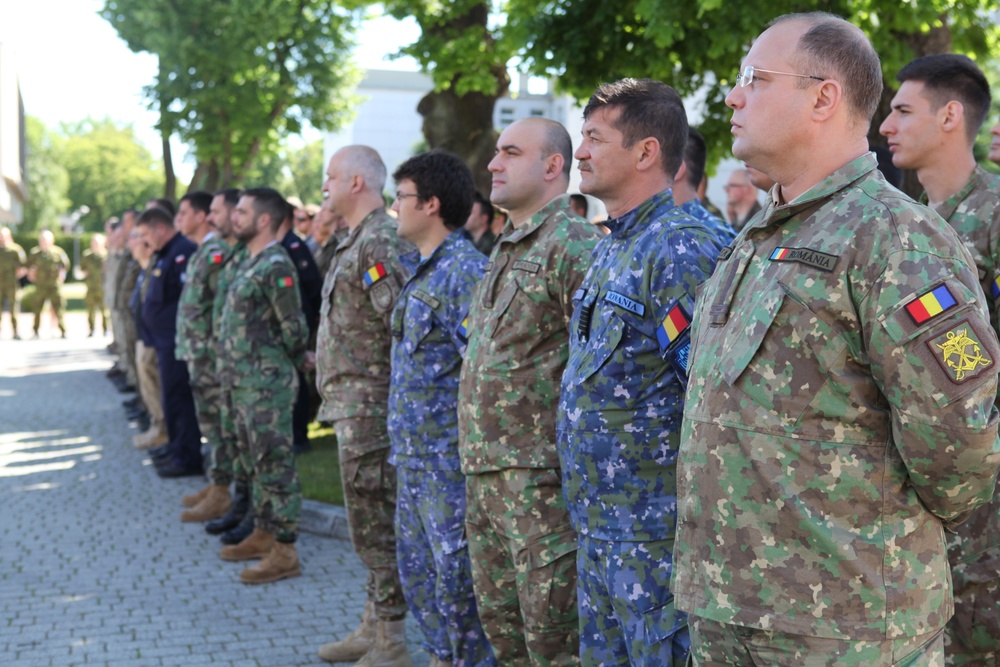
x=936 y=115
x=522 y=544
x=263 y=334
x=47 y=267
x=353 y=370
x=196 y=341
x=433 y=200
x=92 y=266
x=623 y=389
x=839 y=415
x=13 y=263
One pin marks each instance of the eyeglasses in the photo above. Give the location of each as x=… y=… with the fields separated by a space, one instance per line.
x=400 y=195
x=746 y=77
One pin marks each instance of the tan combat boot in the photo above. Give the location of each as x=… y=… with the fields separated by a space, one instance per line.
x=151 y=438
x=390 y=647
x=214 y=505
x=257 y=545
x=281 y=563
x=354 y=646
x=192 y=499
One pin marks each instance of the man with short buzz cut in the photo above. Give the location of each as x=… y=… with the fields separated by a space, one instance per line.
x=623 y=387
x=741 y=199
x=522 y=543
x=181 y=455
x=263 y=336
x=840 y=411
x=352 y=374
x=942 y=102
x=47 y=267
x=688 y=179
x=433 y=198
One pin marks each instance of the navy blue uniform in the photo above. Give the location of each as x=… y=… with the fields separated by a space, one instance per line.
x=311 y=291
x=159 y=323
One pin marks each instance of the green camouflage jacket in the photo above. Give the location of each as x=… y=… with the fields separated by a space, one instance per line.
x=48 y=266
x=195 y=340
x=12 y=258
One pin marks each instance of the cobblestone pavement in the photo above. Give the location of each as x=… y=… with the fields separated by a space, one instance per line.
x=96 y=567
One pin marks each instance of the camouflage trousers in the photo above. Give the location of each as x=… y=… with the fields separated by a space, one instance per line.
x=715 y=644
x=50 y=294
x=95 y=306
x=627 y=614
x=972 y=636
x=208 y=407
x=227 y=456
x=523 y=551
x=434 y=565
x=369 y=483
x=8 y=302
x=263 y=419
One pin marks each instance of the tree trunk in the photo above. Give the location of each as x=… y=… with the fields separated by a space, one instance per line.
x=206 y=176
x=169 y=177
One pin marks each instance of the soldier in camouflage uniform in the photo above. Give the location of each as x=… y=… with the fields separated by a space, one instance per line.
x=937 y=113
x=92 y=266
x=522 y=544
x=433 y=199
x=623 y=388
x=12 y=266
x=839 y=414
x=47 y=267
x=196 y=342
x=263 y=334
x=686 y=182
x=353 y=370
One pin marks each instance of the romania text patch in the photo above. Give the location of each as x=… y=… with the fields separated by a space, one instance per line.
x=674 y=324
x=628 y=304
x=960 y=352
x=930 y=304
x=375 y=274
x=814 y=258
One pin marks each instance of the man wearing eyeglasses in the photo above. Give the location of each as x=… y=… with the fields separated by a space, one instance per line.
x=741 y=199
x=942 y=102
x=839 y=414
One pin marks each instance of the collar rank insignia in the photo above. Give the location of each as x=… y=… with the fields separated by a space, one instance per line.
x=285 y=281
x=674 y=324
x=375 y=274
x=814 y=258
x=960 y=353
x=463 y=328
x=216 y=258
x=995 y=288
x=930 y=304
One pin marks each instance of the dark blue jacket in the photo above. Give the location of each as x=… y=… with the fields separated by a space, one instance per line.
x=166 y=278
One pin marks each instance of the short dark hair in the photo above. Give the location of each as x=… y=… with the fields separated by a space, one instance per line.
x=270 y=201
x=230 y=195
x=166 y=205
x=199 y=200
x=444 y=175
x=581 y=201
x=695 y=156
x=951 y=76
x=648 y=109
x=155 y=215
x=833 y=48
x=485 y=206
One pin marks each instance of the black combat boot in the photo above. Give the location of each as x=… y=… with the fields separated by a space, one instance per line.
x=232 y=518
x=240 y=532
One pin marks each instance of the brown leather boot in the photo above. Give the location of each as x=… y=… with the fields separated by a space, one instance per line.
x=390 y=647
x=214 y=505
x=354 y=646
x=192 y=499
x=281 y=563
x=257 y=545
x=154 y=437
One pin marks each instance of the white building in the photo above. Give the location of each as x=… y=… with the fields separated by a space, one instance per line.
x=13 y=192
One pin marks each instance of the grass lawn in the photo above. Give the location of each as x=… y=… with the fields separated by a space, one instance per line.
x=319 y=468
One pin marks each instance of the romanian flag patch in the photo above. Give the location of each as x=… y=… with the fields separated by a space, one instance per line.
x=375 y=274
x=285 y=281
x=463 y=329
x=930 y=304
x=995 y=288
x=674 y=324
x=216 y=258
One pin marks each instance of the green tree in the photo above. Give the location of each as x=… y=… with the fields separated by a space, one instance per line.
x=234 y=76
x=307 y=169
x=46 y=176
x=109 y=170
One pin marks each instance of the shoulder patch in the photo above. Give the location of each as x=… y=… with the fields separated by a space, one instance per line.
x=180 y=259
x=463 y=329
x=216 y=258
x=814 y=258
x=960 y=352
x=285 y=281
x=375 y=274
x=995 y=288
x=674 y=324
x=930 y=304
x=295 y=245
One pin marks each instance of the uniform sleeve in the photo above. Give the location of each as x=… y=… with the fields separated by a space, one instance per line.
x=382 y=276
x=934 y=357
x=282 y=292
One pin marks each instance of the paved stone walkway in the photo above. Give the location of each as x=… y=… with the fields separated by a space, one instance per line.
x=96 y=567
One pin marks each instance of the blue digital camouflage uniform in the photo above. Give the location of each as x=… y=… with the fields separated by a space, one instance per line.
x=263 y=334
x=839 y=415
x=973 y=633
x=429 y=338
x=619 y=425
x=719 y=228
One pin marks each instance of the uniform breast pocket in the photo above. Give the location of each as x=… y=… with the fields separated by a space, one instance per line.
x=782 y=353
x=605 y=337
x=420 y=329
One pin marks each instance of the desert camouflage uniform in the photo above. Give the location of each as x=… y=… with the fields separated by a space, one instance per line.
x=619 y=423
x=973 y=634
x=839 y=416
x=264 y=334
x=429 y=337
x=12 y=259
x=49 y=271
x=522 y=545
x=719 y=228
x=226 y=459
x=196 y=346
x=92 y=265
x=352 y=374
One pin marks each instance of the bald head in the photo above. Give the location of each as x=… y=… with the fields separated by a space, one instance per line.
x=5 y=237
x=46 y=240
x=554 y=140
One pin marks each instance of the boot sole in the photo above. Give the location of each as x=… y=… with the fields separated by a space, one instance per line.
x=346 y=658
x=239 y=558
x=186 y=517
x=277 y=577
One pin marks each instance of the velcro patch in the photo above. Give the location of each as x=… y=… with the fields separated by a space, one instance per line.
x=421 y=295
x=285 y=281
x=814 y=258
x=530 y=267
x=463 y=329
x=995 y=288
x=960 y=352
x=216 y=258
x=674 y=324
x=623 y=301
x=179 y=259
x=931 y=304
x=375 y=274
